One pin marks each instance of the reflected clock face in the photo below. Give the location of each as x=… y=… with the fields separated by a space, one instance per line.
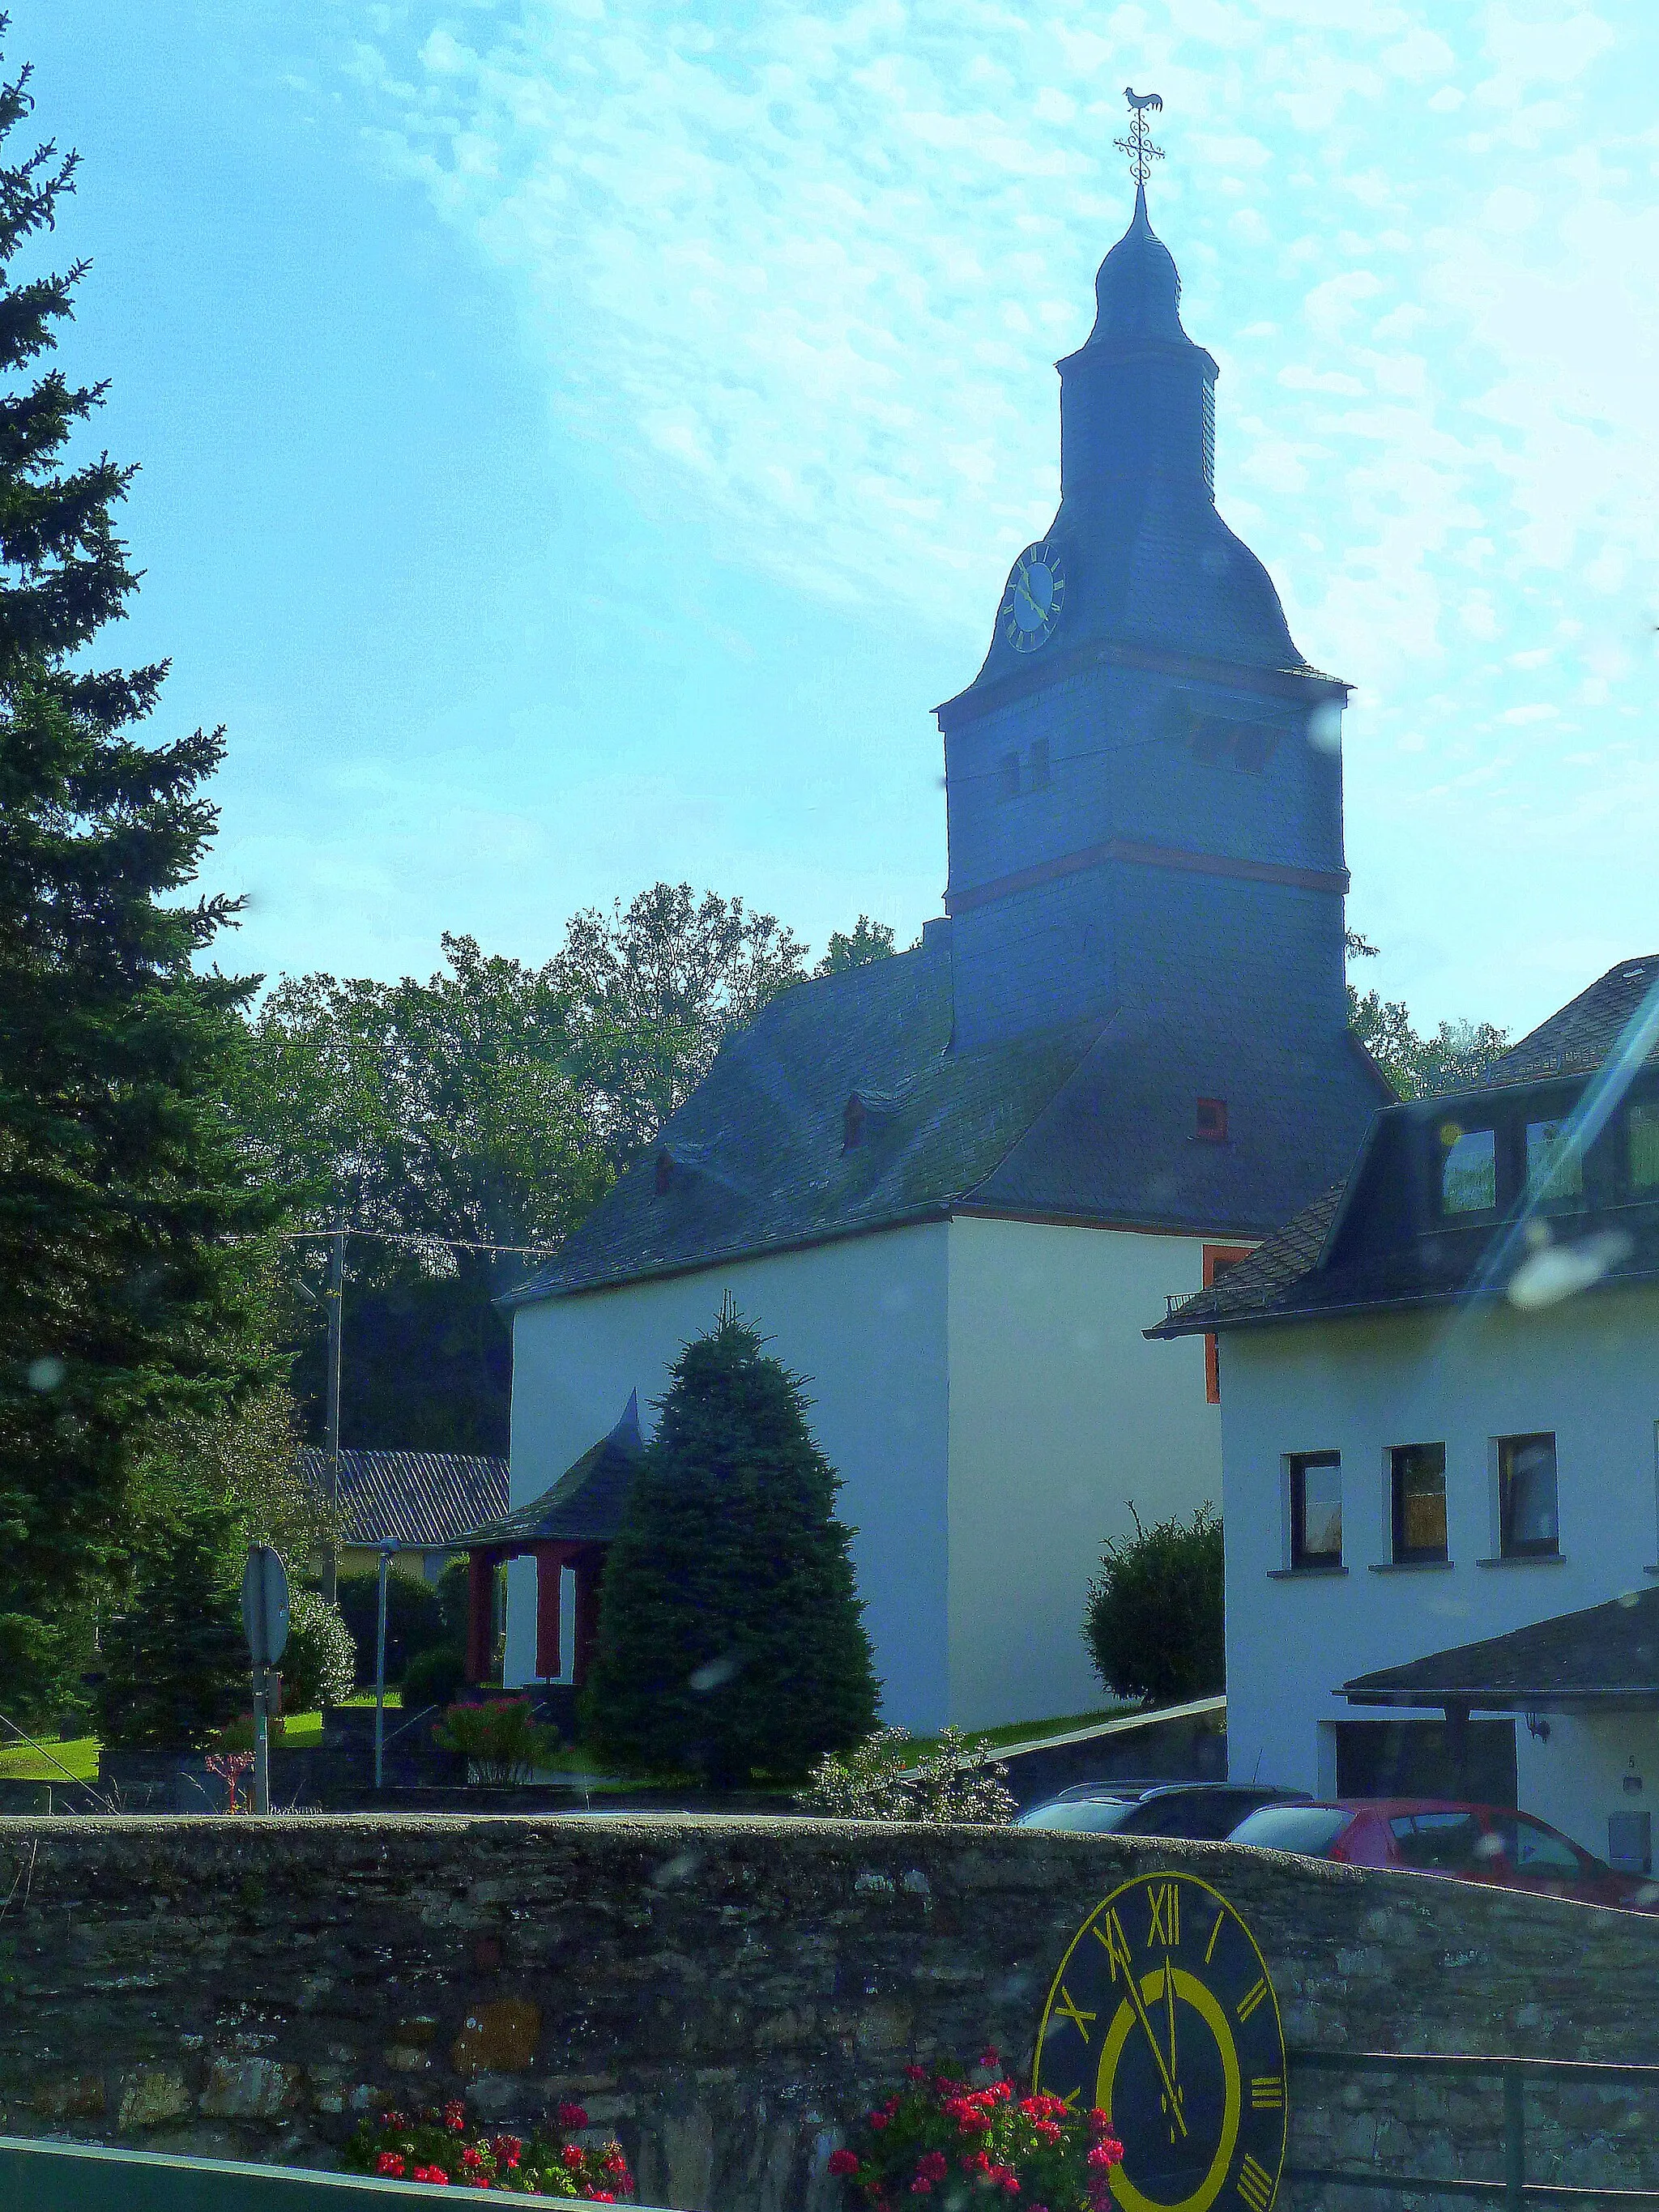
x=1163 y=2013
x=1032 y=603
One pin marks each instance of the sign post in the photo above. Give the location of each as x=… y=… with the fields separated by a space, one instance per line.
x=265 y=1623
x=380 y=1671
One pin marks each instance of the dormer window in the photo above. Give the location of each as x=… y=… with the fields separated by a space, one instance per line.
x=1468 y=1169
x=663 y=1181
x=854 y=1117
x=1211 y=1125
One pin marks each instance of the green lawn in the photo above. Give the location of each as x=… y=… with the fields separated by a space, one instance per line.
x=999 y=1739
x=19 y=1764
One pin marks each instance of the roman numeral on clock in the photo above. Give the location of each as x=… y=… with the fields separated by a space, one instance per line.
x=1165 y=1907
x=1255 y=2185
x=1267 y=2093
x=1250 y=2000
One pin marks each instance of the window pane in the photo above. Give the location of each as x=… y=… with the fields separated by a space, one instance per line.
x=1551 y=1173
x=1526 y=1493
x=1532 y=1849
x=1468 y=1174
x=1316 y=1509
x=1447 y=1842
x=1419 y=1501
x=1644 y=1127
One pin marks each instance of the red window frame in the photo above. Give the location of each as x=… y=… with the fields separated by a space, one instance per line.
x=1217 y=1258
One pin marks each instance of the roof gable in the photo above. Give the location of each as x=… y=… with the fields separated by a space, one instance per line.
x=423 y=1499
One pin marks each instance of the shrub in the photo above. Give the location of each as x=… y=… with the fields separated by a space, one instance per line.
x=730 y=1633
x=503 y=1740
x=432 y=1678
x=414 y=1620
x=453 y=1601
x=881 y=1779
x=1154 y=1624
x=319 y=1663
x=944 y=2135
x=175 y=1667
x=438 y=2145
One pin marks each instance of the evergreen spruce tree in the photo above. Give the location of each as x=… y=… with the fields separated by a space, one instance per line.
x=175 y=1665
x=730 y=1634
x=122 y=1292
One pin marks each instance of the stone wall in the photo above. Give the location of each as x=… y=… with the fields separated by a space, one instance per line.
x=722 y=1992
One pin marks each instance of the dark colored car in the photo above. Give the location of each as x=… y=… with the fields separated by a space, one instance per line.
x=1468 y=1843
x=1200 y=1811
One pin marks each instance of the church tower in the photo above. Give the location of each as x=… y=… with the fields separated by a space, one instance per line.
x=1144 y=781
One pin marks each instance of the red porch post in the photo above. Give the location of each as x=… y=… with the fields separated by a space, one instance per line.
x=480 y=1609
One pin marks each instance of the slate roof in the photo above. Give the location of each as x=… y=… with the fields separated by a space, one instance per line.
x=585 y=1505
x=423 y=1499
x=1607 y=1654
x=1091 y=1121
x=1361 y=1246
x=1581 y=1036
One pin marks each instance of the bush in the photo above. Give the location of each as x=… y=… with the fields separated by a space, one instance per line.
x=730 y=1633
x=175 y=1666
x=882 y=1779
x=437 y=2144
x=1155 y=1623
x=414 y=1620
x=943 y=2134
x=503 y=1740
x=451 y=1587
x=318 y=1664
x=432 y=1678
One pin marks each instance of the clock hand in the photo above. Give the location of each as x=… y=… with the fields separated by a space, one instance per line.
x=1169 y=2007
x=1119 y=1949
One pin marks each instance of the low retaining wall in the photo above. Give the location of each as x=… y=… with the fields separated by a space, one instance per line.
x=721 y=1992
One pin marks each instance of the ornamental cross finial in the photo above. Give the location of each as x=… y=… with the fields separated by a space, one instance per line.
x=1139 y=145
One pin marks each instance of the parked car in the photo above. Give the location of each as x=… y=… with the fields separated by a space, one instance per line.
x=1201 y=1811
x=1468 y=1843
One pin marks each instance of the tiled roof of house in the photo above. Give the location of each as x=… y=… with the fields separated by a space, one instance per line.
x=1091 y=1121
x=427 y=1499
x=1606 y=1652
x=585 y=1505
x=1368 y=1244
x=1581 y=1036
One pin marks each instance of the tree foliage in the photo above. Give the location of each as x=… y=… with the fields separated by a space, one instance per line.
x=731 y=1635
x=866 y=941
x=889 y=1777
x=175 y=1664
x=1154 y=1621
x=123 y=1294
x=1456 y=1055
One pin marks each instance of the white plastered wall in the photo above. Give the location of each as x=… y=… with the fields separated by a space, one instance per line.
x=863 y=1320
x=1061 y=1413
x=1583 y=1370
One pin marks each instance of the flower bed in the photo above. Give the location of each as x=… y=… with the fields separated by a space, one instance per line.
x=438 y=2144
x=948 y=2133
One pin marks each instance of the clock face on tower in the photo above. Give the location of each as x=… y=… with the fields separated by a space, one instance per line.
x=1031 y=605
x=1163 y=2015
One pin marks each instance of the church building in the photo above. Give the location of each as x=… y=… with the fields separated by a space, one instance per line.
x=948 y=1186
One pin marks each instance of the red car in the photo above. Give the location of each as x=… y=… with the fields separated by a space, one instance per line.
x=1428 y=1835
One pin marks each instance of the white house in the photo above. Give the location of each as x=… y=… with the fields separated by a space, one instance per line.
x=1440 y=1393
x=946 y=1184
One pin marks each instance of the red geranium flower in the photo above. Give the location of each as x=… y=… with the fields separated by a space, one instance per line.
x=843 y=2161
x=390 y=2163
x=573 y=2116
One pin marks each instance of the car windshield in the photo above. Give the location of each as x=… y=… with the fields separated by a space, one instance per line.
x=1088 y=1815
x=1310 y=1829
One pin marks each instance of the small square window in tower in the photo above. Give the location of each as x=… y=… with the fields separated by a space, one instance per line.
x=1211 y=1126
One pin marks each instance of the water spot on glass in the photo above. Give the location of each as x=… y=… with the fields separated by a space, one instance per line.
x=46 y=1374
x=714 y=1672
x=1554 y=1272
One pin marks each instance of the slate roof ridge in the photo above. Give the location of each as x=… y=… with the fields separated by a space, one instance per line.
x=420 y=1498
x=1276 y=1264
x=1579 y=1036
x=1041 y=1105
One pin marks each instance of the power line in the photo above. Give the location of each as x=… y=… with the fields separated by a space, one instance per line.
x=420 y=1243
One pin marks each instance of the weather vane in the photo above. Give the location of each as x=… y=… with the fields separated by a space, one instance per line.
x=1139 y=145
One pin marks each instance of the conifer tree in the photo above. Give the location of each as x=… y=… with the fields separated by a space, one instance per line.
x=731 y=1635
x=122 y=1293
x=175 y=1665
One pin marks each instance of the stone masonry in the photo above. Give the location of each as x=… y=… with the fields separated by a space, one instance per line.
x=723 y=1992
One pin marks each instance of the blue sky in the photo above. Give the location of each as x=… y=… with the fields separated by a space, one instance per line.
x=582 y=439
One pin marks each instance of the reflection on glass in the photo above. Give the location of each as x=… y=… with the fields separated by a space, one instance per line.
x=1526 y=1496
x=1468 y=1173
x=1316 y=1509
x=1419 y=1503
x=1552 y=1172
x=1644 y=1128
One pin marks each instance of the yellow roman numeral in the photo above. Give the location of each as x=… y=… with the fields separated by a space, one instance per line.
x=1250 y=2000
x=1255 y=2185
x=1267 y=2093
x=1115 y=1944
x=1209 y=1948
x=1067 y=2010
x=1165 y=1906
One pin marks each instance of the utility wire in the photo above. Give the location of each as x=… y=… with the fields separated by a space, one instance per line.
x=422 y=1243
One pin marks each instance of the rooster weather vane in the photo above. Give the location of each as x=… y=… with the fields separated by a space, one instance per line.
x=1139 y=145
